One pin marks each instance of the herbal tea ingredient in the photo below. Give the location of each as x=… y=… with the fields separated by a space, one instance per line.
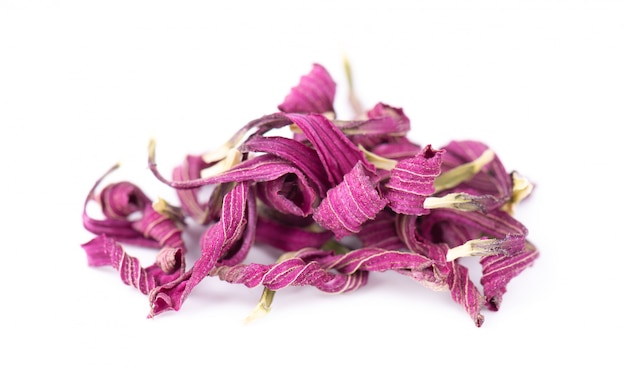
x=340 y=199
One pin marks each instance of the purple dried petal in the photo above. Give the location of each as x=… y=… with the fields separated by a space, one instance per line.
x=170 y=259
x=291 y=272
x=302 y=156
x=336 y=152
x=351 y=203
x=381 y=232
x=120 y=229
x=104 y=251
x=384 y=123
x=500 y=269
x=257 y=169
x=215 y=242
x=375 y=259
x=288 y=195
x=314 y=94
x=287 y=237
x=493 y=179
x=398 y=148
x=412 y=181
x=239 y=251
x=160 y=228
x=464 y=292
x=190 y=169
x=455 y=227
x=120 y=200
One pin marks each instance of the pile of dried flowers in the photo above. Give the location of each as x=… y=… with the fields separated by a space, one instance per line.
x=340 y=199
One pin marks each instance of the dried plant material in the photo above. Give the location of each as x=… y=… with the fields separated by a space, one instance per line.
x=341 y=198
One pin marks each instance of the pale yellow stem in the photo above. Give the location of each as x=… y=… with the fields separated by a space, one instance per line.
x=463 y=172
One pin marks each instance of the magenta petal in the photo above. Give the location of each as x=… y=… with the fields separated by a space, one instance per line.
x=296 y=271
x=397 y=149
x=464 y=292
x=160 y=228
x=104 y=251
x=412 y=180
x=376 y=259
x=302 y=156
x=493 y=180
x=336 y=152
x=190 y=169
x=314 y=94
x=238 y=252
x=288 y=195
x=215 y=242
x=381 y=232
x=120 y=200
x=288 y=238
x=351 y=203
x=498 y=270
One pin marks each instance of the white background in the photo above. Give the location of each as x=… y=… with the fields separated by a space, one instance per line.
x=84 y=85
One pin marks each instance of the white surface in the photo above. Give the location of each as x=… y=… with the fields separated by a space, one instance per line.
x=83 y=86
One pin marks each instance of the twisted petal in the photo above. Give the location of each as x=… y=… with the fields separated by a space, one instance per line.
x=351 y=203
x=301 y=155
x=215 y=242
x=294 y=271
x=336 y=152
x=412 y=181
x=190 y=169
x=287 y=237
x=105 y=251
x=465 y=293
x=492 y=179
x=498 y=270
x=314 y=94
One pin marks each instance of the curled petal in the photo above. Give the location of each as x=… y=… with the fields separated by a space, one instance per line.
x=381 y=232
x=301 y=155
x=119 y=203
x=291 y=272
x=456 y=227
x=104 y=251
x=314 y=94
x=288 y=195
x=161 y=228
x=336 y=152
x=412 y=181
x=492 y=179
x=375 y=259
x=398 y=148
x=464 y=292
x=351 y=203
x=216 y=241
x=120 y=200
x=190 y=201
x=287 y=237
x=384 y=124
x=498 y=270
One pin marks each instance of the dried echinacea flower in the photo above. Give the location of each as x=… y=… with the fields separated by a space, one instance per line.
x=340 y=198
